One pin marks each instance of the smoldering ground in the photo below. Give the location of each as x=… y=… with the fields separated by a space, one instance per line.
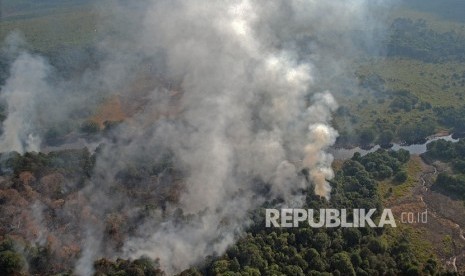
x=246 y=109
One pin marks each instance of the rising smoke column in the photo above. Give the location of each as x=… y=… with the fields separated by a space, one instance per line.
x=249 y=116
x=20 y=94
x=246 y=124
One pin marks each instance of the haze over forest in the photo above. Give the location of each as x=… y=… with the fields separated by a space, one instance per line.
x=149 y=137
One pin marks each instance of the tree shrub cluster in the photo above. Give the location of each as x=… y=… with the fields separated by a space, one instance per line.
x=452 y=182
x=71 y=163
x=415 y=39
x=328 y=251
x=261 y=251
x=452 y=117
x=403 y=100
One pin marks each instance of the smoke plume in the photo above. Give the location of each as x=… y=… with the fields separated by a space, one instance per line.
x=237 y=99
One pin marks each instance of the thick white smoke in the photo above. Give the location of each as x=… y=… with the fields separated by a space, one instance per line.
x=251 y=112
x=26 y=83
x=246 y=118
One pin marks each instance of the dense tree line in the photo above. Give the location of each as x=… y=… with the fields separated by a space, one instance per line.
x=403 y=100
x=71 y=163
x=454 y=155
x=328 y=251
x=384 y=131
x=452 y=117
x=261 y=251
x=414 y=39
x=447 y=151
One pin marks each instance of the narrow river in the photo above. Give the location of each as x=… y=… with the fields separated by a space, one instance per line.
x=342 y=153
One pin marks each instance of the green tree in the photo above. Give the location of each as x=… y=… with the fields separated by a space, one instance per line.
x=341 y=262
x=377 y=245
x=249 y=271
x=293 y=270
x=401 y=177
x=322 y=241
x=220 y=267
x=352 y=236
x=10 y=263
x=367 y=136
x=385 y=138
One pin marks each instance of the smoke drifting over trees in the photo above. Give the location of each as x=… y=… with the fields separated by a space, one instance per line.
x=250 y=110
